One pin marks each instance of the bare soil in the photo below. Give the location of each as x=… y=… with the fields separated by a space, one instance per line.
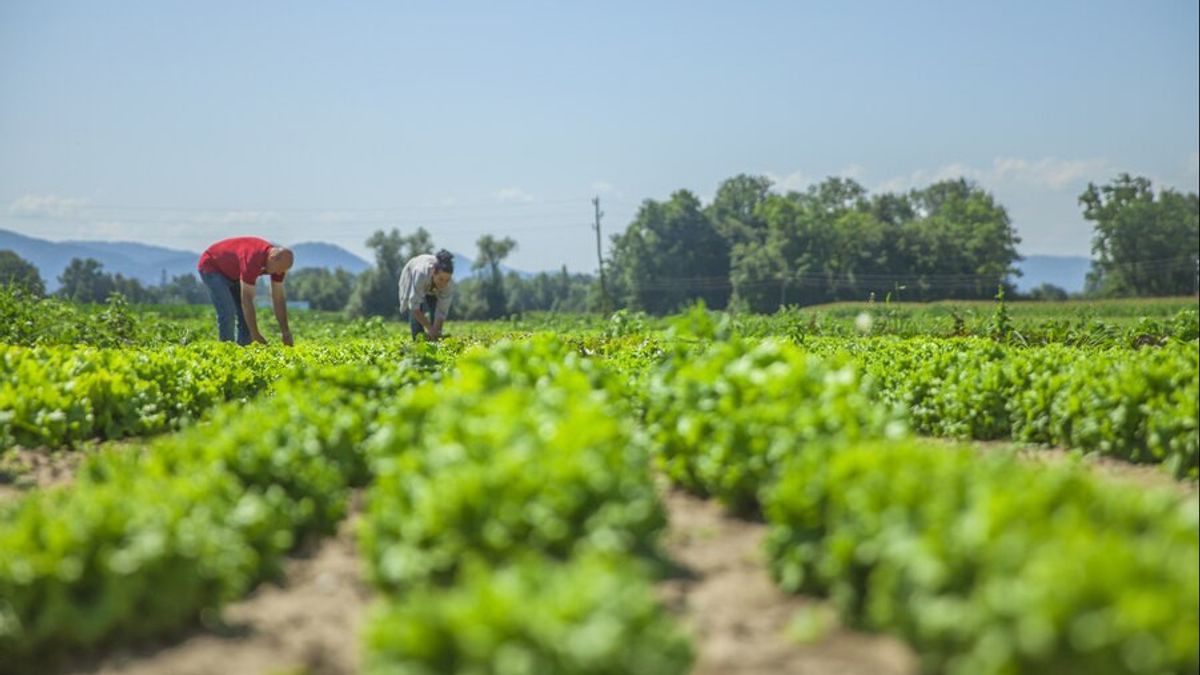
x=308 y=624
x=22 y=470
x=1109 y=468
x=740 y=621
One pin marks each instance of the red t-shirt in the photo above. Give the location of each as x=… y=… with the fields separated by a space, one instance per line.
x=242 y=258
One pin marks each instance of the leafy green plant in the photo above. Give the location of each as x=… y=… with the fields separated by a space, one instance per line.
x=586 y=616
x=989 y=565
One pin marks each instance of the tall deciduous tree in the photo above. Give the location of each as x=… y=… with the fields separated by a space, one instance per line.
x=84 y=280
x=670 y=256
x=321 y=288
x=20 y=273
x=1144 y=244
x=492 y=252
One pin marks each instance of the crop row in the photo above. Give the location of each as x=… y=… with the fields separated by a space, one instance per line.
x=509 y=525
x=985 y=565
x=541 y=537
x=143 y=542
x=1138 y=406
x=55 y=396
x=1134 y=405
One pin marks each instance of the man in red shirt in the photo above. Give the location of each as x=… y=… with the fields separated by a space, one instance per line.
x=230 y=269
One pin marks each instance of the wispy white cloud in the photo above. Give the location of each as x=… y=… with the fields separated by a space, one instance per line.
x=512 y=194
x=1047 y=173
x=795 y=181
x=602 y=187
x=855 y=171
x=798 y=181
x=248 y=218
x=46 y=206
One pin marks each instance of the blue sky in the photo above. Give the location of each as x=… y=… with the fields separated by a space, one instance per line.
x=179 y=123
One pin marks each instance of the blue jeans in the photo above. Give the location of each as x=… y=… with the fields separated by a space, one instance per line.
x=429 y=307
x=226 y=296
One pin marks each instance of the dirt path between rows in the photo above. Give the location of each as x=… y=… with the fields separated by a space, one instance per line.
x=1101 y=466
x=739 y=620
x=308 y=625
x=22 y=470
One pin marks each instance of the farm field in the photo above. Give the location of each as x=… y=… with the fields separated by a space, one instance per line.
x=857 y=488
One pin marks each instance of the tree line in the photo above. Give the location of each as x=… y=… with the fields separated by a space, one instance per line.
x=754 y=249
x=489 y=293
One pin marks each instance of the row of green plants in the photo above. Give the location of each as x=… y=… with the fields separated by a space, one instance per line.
x=26 y=320
x=145 y=542
x=55 y=396
x=990 y=564
x=1134 y=405
x=34 y=321
x=512 y=522
x=1138 y=406
x=985 y=565
x=1026 y=324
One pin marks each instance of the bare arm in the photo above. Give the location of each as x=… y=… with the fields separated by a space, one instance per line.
x=419 y=315
x=279 y=303
x=249 y=313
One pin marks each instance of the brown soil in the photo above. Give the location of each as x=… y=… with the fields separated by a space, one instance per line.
x=309 y=624
x=740 y=622
x=1109 y=468
x=22 y=469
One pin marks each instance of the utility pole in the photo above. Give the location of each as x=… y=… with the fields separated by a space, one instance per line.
x=600 y=257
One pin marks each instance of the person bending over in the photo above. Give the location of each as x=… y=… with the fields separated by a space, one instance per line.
x=426 y=289
x=230 y=268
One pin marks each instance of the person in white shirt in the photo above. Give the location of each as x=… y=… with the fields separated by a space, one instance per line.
x=426 y=289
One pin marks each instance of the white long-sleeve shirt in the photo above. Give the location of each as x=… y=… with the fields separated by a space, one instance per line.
x=416 y=281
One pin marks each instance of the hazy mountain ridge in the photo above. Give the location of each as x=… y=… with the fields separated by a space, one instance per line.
x=147 y=263
x=1067 y=272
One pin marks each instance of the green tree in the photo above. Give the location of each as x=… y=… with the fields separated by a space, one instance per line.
x=1144 y=244
x=735 y=210
x=184 y=289
x=491 y=289
x=131 y=289
x=321 y=288
x=969 y=245
x=670 y=256
x=17 y=272
x=1048 y=291
x=84 y=280
x=549 y=292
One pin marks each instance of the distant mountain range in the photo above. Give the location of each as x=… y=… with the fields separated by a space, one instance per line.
x=1067 y=272
x=148 y=263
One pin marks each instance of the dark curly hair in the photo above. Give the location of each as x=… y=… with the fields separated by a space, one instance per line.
x=445 y=261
